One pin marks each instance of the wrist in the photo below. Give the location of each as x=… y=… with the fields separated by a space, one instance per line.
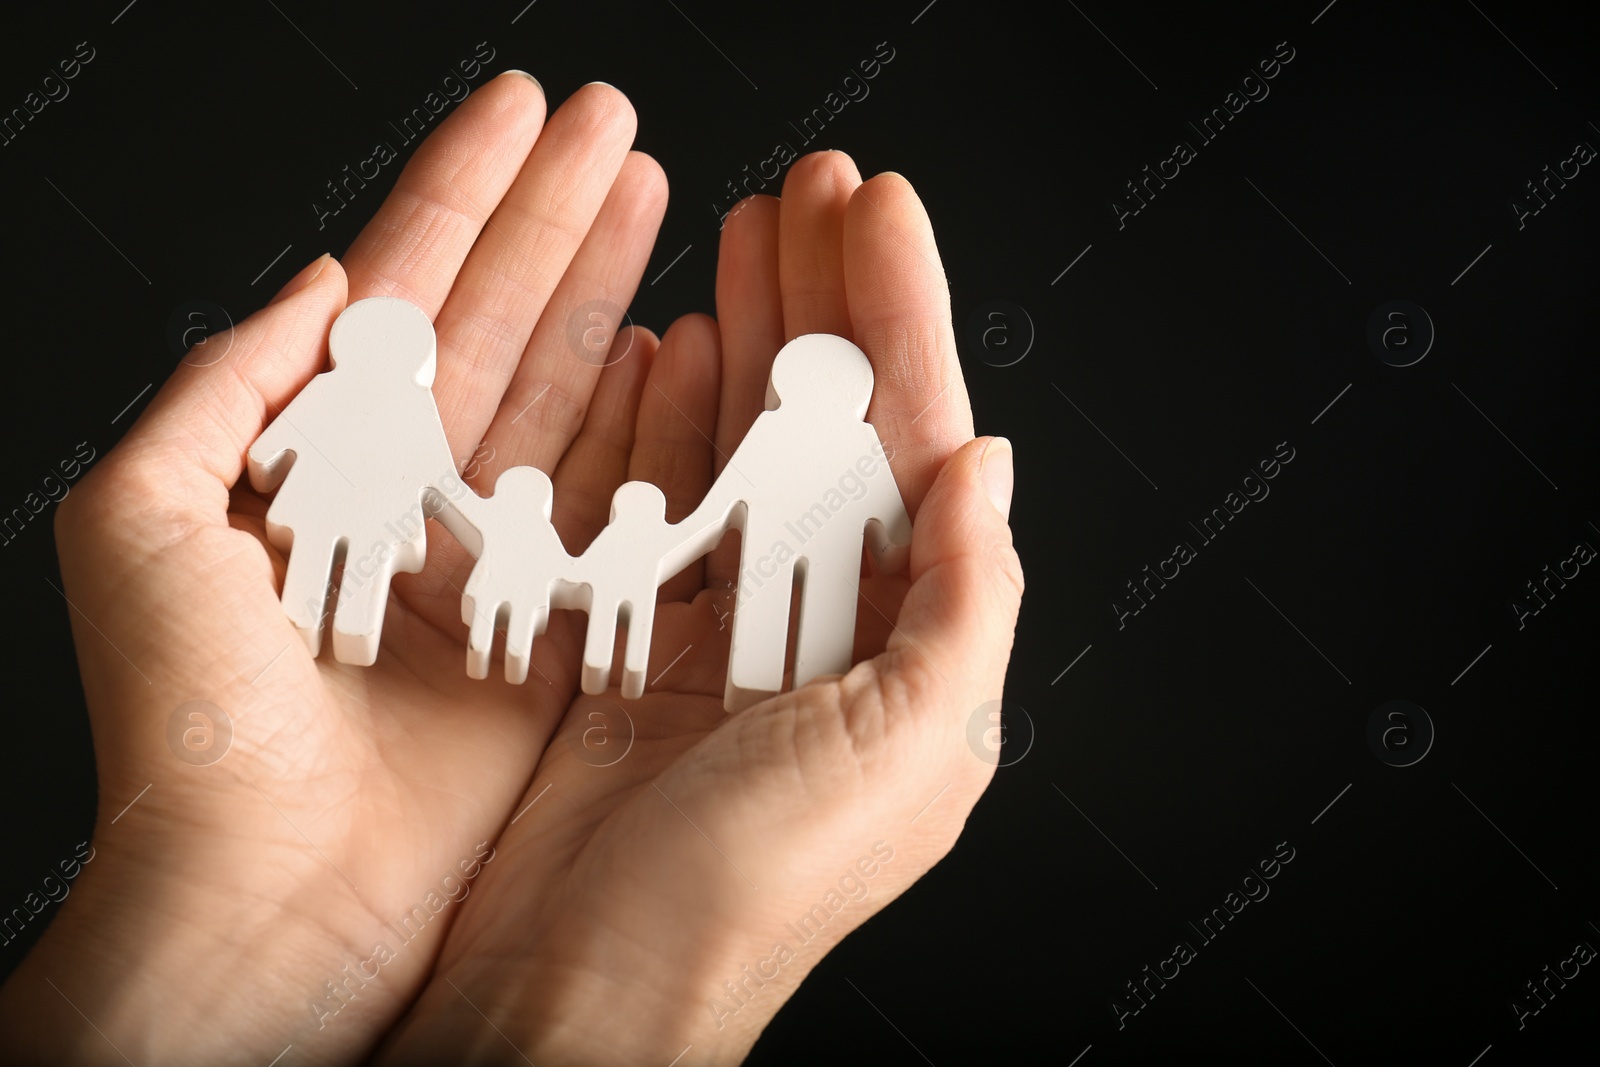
x=511 y=1009
x=152 y=959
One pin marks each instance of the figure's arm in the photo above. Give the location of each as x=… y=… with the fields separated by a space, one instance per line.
x=699 y=533
x=268 y=457
x=888 y=530
x=463 y=513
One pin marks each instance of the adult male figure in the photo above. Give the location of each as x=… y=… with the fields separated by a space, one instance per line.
x=806 y=486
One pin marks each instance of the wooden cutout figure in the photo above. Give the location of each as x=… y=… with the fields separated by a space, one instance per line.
x=363 y=461
x=356 y=452
x=524 y=571
x=521 y=570
x=818 y=394
x=621 y=571
x=807 y=485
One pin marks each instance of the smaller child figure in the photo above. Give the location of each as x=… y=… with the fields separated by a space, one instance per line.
x=521 y=566
x=621 y=570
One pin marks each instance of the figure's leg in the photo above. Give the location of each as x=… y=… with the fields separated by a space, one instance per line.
x=760 y=635
x=478 y=612
x=636 y=652
x=522 y=627
x=599 y=644
x=826 y=628
x=363 y=596
x=305 y=584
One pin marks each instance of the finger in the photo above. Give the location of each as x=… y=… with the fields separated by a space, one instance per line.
x=610 y=229
x=676 y=426
x=569 y=230
x=187 y=449
x=545 y=404
x=749 y=316
x=953 y=639
x=750 y=319
x=900 y=312
x=597 y=461
x=811 y=244
x=415 y=244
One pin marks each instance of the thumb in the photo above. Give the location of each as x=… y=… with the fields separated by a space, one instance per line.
x=191 y=440
x=954 y=635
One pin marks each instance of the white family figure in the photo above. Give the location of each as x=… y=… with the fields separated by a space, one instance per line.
x=621 y=571
x=363 y=461
x=524 y=570
x=806 y=487
x=521 y=570
x=357 y=452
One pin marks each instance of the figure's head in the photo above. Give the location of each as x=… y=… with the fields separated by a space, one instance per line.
x=384 y=335
x=524 y=487
x=821 y=372
x=639 y=500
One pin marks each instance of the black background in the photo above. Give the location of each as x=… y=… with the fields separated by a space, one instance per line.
x=1223 y=718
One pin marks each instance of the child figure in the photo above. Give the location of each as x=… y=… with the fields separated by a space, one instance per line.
x=522 y=566
x=621 y=571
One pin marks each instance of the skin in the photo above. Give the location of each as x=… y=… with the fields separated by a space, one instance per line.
x=609 y=903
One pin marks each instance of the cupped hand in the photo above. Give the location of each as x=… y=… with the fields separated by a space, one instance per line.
x=224 y=914
x=672 y=873
x=505 y=870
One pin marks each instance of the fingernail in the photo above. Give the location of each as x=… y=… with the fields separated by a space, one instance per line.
x=525 y=74
x=608 y=85
x=995 y=470
x=307 y=275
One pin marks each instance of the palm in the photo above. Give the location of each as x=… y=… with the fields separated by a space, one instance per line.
x=611 y=796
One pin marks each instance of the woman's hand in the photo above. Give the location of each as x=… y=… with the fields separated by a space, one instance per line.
x=309 y=887
x=673 y=873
